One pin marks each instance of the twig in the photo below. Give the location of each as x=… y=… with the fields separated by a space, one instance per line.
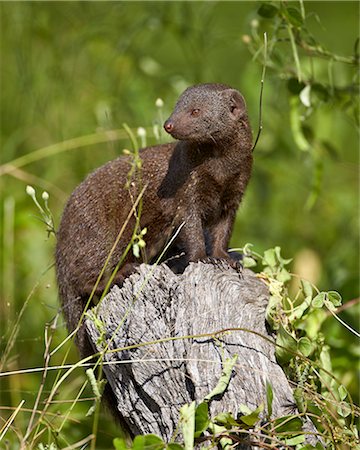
x=344 y=324
x=321 y=53
x=345 y=306
x=10 y=420
x=261 y=92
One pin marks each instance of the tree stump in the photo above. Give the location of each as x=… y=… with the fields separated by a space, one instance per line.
x=151 y=382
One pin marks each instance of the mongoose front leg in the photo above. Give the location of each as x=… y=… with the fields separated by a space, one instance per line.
x=192 y=236
x=220 y=237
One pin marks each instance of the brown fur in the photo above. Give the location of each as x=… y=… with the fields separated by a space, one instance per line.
x=198 y=181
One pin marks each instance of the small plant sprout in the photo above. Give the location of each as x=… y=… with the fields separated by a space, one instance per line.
x=136 y=162
x=46 y=215
x=254 y=23
x=141 y=132
x=31 y=191
x=159 y=103
x=138 y=242
x=45 y=196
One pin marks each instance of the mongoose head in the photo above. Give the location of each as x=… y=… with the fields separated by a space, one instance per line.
x=208 y=113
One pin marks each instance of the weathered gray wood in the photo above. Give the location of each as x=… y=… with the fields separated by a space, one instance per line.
x=152 y=382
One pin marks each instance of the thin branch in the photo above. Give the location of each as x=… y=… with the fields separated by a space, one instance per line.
x=10 y=420
x=261 y=92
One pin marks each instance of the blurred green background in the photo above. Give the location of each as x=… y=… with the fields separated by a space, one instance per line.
x=77 y=68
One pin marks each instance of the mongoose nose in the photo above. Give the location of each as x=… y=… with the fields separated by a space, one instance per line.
x=169 y=126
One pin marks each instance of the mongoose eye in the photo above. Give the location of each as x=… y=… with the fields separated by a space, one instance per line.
x=195 y=112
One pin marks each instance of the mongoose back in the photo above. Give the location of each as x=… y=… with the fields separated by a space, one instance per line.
x=195 y=183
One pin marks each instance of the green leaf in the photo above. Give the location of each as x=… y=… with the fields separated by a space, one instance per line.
x=226 y=420
x=253 y=417
x=187 y=414
x=305 y=346
x=287 y=341
x=288 y=424
x=267 y=11
x=248 y=261
x=299 y=310
x=141 y=243
x=342 y=392
x=136 y=250
x=153 y=442
x=244 y=409
x=269 y=398
x=269 y=258
x=174 y=446
x=299 y=439
x=318 y=301
x=119 y=444
x=270 y=313
x=325 y=362
x=344 y=409
x=224 y=379
x=307 y=288
x=294 y=17
x=250 y=420
x=283 y=276
x=201 y=418
x=216 y=430
x=335 y=298
x=305 y=96
x=148 y=442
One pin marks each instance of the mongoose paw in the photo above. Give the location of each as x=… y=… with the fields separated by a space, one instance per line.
x=239 y=268
x=235 y=264
x=212 y=260
x=224 y=263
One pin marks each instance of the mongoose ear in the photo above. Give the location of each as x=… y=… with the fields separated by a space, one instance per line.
x=236 y=103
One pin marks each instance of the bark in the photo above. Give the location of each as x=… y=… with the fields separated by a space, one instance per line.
x=151 y=382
